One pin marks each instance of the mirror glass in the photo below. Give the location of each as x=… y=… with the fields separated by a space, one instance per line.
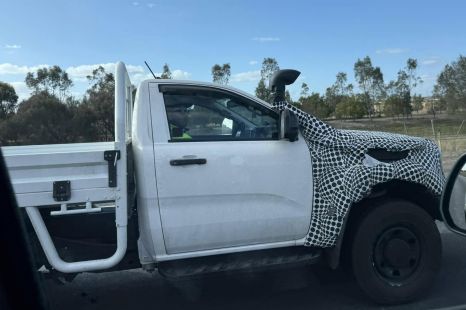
x=457 y=205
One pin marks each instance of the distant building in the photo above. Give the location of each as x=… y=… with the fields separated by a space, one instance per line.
x=430 y=103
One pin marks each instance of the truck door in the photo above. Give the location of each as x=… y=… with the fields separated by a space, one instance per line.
x=224 y=178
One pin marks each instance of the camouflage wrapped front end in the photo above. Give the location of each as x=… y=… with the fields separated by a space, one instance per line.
x=344 y=172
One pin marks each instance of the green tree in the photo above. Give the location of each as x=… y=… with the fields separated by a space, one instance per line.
x=41 y=119
x=401 y=84
x=363 y=74
x=450 y=88
x=262 y=91
x=60 y=82
x=331 y=98
x=166 y=74
x=341 y=86
x=38 y=81
x=418 y=103
x=98 y=104
x=315 y=104
x=393 y=106
x=377 y=89
x=269 y=66
x=370 y=80
x=304 y=90
x=54 y=81
x=8 y=100
x=350 y=107
x=407 y=80
x=221 y=74
x=338 y=91
x=413 y=79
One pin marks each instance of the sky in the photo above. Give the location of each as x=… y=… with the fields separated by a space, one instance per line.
x=319 y=38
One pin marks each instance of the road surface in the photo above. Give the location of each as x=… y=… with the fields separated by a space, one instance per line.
x=311 y=288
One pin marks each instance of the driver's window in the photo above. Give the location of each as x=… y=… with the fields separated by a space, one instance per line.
x=210 y=115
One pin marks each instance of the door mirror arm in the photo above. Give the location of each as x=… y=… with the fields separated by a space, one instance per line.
x=289 y=126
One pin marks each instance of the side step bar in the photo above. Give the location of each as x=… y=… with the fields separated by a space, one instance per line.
x=263 y=259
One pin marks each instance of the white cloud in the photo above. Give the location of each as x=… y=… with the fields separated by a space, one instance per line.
x=135 y=3
x=79 y=73
x=21 y=89
x=137 y=74
x=430 y=61
x=7 y=69
x=13 y=46
x=150 y=5
x=266 y=39
x=177 y=74
x=137 y=78
x=249 y=76
x=180 y=75
x=395 y=50
x=253 y=62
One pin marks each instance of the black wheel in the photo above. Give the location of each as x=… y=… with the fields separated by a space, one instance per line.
x=396 y=252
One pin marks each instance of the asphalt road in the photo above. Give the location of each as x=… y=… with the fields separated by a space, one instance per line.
x=310 y=288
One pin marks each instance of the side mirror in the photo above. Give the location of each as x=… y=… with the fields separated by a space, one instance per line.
x=279 y=80
x=453 y=201
x=289 y=126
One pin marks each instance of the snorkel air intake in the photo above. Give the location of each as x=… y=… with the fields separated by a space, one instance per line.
x=279 y=80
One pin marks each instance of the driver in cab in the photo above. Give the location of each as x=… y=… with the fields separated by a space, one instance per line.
x=178 y=117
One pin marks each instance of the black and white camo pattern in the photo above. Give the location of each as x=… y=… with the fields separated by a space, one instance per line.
x=344 y=174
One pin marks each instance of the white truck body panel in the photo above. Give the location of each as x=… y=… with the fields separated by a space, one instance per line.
x=238 y=197
x=235 y=199
x=208 y=218
x=34 y=168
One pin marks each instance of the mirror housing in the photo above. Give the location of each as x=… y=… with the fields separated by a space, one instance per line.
x=289 y=125
x=455 y=189
x=279 y=80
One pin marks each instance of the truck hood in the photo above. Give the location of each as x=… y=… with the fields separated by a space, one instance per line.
x=363 y=140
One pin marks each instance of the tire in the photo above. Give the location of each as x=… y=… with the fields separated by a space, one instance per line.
x=396 y=252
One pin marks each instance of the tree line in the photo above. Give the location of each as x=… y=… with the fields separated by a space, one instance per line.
x=51 y=115
x=374 y=98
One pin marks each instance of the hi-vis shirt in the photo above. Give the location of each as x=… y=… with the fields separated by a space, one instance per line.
x=185 y=136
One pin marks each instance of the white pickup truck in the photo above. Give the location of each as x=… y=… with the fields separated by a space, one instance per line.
x=204 y=178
